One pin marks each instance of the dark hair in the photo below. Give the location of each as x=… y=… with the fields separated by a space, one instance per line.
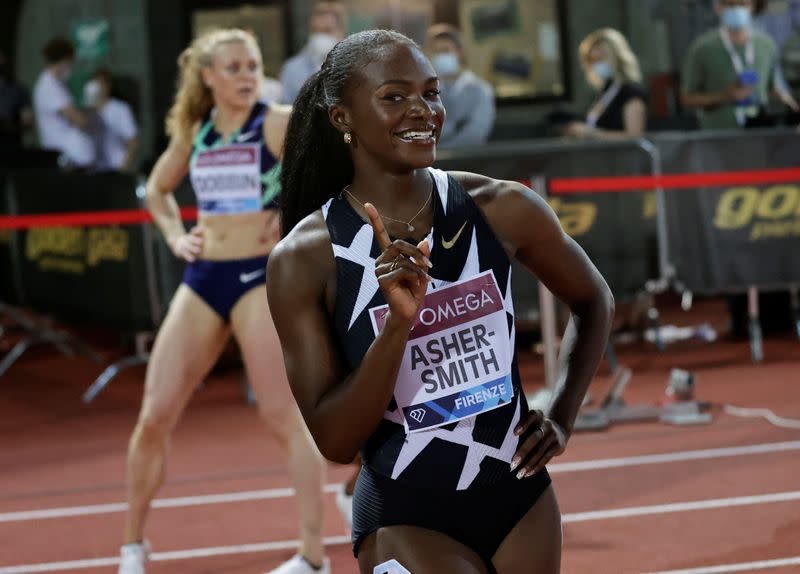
x=330 y=8
x=316 y=161
x=58 y=49
x=444 y=31
x=103 y=74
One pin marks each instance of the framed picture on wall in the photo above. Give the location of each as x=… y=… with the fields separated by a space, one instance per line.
x=518 y=46
x=266 y=23
x=410 y=17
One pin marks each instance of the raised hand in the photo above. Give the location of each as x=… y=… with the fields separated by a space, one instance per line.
x=401 y=268
x=189 y=246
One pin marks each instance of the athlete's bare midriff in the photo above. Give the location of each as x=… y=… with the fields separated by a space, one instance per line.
x=239 y=236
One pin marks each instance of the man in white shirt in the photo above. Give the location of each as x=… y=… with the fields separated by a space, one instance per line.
x=117 y=127
x=326 y=28
x=60 y=124
x=468 y=99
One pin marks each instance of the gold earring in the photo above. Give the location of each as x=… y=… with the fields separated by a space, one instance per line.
x=348 y=138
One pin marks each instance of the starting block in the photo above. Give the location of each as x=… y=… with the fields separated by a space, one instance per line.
x=684 y=410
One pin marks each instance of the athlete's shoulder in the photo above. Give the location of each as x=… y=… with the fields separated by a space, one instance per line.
x=485 y=190
x=304 y=252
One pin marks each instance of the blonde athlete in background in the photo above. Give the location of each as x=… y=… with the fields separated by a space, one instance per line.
x=230 y=145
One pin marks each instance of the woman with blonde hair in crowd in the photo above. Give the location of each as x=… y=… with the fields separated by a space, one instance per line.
x=611 y=68
x=230 y=144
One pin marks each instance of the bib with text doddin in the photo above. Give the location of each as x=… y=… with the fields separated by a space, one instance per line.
x=227 y=180
x=457 y=362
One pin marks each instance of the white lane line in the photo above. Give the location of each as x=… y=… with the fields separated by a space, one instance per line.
x=289 y=544
x=245 y=496
x=94 y=509
x=680 y=456
x=172 y=555
x=681 y=507
x=738 y=567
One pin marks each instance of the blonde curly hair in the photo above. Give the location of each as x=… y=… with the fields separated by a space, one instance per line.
x=193 y=99
x=622 y=57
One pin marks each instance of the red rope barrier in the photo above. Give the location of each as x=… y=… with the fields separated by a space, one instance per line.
x=673 y=181
x=87 y=218
x=558 y=186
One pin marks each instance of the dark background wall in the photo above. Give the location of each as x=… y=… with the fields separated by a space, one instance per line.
x=146 y=37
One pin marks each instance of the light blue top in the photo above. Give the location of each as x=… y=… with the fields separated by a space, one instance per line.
x=469 y=102
x=294 y=73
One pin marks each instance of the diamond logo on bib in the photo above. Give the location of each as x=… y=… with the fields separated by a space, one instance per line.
x=457 y=362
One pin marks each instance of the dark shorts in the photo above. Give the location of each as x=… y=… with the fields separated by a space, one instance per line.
x=480 y=518
x=222 y=283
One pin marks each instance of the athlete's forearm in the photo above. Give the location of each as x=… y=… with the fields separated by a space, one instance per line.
x=165 y=212
x=582 y=347
x=347 y=415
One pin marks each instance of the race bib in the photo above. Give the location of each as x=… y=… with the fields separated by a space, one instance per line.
x=457 y=362
x=228 y=179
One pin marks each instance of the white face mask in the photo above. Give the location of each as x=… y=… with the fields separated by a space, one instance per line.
x=320 y=44
x=737 y=18
x=91 y=93
x=603 y=70
x=445 y=63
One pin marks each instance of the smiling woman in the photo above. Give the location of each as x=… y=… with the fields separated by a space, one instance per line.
x=404 y=348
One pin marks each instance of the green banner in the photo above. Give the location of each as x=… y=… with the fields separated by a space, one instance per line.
x=90 y=38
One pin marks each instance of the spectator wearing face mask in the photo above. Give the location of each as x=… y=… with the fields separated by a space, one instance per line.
x=15 y=109
x=117 y=129
x=326 y=28
x=729 y=72
x=468 y=100
x=59 y=122
x=611 y=67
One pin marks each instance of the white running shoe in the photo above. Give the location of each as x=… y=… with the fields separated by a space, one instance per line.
x=133 y=557
x=344 y=502
x=299 y=565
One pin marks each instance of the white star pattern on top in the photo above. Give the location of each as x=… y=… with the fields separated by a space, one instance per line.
x=509 y=305
x=415 y=443
x=462 y=437
x=358 y=252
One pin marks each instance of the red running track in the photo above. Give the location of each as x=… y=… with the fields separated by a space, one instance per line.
x=57 y=454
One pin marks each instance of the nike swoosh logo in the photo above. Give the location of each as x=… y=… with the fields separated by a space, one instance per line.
x=247 y=277
x=449 y=244
x=246 y=135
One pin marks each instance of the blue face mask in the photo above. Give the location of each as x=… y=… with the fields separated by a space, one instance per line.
x=603 y=70
x=736 y=18
x=445 y=63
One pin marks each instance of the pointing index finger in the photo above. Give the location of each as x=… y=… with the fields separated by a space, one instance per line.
x=377 y=226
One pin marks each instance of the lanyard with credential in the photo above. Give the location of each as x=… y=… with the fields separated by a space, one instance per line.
x=738 y=65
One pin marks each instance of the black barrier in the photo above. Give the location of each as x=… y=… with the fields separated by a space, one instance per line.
x=617 y=230
x=17 y=160
x=726 y=239
x=96 y=274
x=9 y=292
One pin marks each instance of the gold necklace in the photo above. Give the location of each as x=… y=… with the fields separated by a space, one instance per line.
x=406 y=223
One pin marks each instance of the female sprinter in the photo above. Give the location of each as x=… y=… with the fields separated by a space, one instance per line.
x=397 y=329
x=230 y=145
